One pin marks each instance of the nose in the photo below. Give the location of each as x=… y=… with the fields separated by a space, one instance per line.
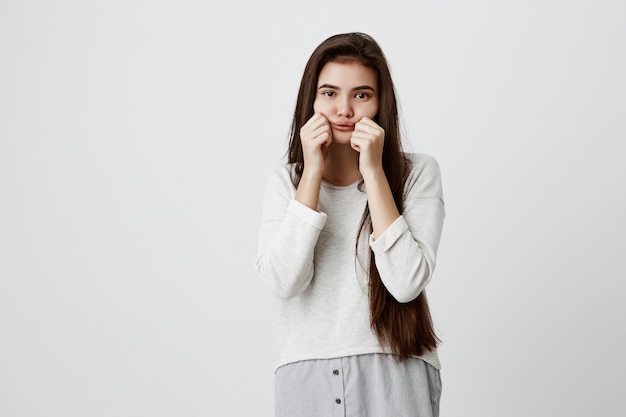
x=344 y=109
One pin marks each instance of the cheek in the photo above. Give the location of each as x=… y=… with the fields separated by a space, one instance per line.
x=370 y=111
x=319 y=107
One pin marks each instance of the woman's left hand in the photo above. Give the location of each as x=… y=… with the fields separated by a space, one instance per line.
x=368 y=139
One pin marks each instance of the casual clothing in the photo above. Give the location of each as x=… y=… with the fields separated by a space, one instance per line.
x=372 y=385
x=307 y=259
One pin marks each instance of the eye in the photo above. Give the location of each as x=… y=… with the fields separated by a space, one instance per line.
x=328 y=93
x=362 y=95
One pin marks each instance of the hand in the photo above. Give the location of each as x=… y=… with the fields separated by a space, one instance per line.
x=315 y=136
x=368 y=139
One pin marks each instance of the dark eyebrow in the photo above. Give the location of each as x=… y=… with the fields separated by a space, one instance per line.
x=361 y=87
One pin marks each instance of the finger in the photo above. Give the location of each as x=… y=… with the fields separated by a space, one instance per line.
x=366 y=123
x=363 y=142
x=322 y=127
x=314 y=124
x=329 y=139
x=323 y=139
x=356 y=142
x=320 y=131
x=318 y=119
x=362 y=138
x=365 y=128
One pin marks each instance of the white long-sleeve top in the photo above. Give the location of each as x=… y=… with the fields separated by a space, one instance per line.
x=308 y=260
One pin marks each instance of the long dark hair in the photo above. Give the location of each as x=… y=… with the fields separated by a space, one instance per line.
x=405 y=328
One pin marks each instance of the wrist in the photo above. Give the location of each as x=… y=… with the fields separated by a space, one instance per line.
x=308 y=190
x=374 y=175
x=311 y=176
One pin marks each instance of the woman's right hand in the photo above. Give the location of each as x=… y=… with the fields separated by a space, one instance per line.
x=315 y=136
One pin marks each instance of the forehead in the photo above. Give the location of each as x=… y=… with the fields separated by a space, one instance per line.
x=347 y=75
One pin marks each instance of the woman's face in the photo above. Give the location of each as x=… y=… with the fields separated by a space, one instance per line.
x=346 y=92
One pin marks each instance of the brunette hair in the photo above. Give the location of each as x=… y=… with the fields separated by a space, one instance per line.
x=405 y=328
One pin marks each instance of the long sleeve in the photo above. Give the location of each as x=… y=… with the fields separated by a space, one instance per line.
x=309 y=261
x=287 y=237
x=405 y=254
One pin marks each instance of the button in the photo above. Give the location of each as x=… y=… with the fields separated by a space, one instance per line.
x=335 y=372
x=338 y=400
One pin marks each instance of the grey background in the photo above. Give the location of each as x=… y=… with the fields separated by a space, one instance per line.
x=135 y=137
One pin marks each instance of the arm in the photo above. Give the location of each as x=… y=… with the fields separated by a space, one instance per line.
x=315 y=136
x=287 y=237
x=291 y=224
x=368 y=139
x=404 y=246
x=405 y=253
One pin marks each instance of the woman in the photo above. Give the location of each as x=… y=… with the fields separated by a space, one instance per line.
x=348 y=241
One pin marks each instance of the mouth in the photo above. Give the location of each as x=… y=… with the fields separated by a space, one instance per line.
x=344 y=127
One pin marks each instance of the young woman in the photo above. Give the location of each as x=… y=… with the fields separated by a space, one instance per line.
x=348 y=241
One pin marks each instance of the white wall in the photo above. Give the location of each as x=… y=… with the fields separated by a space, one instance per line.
x=135 y=137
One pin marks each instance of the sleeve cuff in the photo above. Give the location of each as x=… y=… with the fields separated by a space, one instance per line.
x=389 y=236
x=308 y=215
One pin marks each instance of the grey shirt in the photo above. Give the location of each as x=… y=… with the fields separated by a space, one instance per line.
x=307 y=259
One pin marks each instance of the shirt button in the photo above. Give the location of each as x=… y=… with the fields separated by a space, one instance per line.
x=335 y=372
x=338 y=400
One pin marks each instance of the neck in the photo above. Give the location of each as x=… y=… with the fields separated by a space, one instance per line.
x=342 y=165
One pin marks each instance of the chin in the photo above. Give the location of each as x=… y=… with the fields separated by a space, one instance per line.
x=342 y=138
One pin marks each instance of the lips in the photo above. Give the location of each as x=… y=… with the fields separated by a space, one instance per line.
x=344 y=127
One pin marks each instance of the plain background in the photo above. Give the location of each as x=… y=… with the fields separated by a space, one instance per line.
x=135 y=138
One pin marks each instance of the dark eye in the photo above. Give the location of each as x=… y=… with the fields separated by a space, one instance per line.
x=362 y=95
x=329 y=93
